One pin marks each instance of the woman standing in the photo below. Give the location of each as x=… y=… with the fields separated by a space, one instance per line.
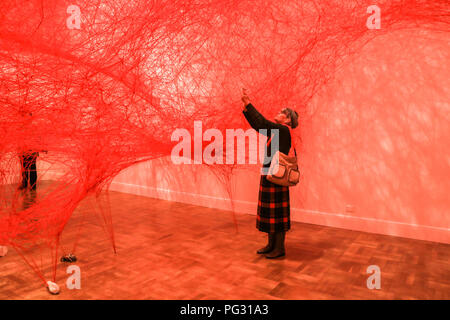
x=273 y=204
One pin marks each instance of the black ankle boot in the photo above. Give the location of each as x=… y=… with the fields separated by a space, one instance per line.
x=278 y=250
x=270 y=244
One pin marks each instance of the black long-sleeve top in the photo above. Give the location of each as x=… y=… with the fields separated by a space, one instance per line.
x=258 y=122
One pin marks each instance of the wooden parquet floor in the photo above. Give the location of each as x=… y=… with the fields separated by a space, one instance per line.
x=169 y=250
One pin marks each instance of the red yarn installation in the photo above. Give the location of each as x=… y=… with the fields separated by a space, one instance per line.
x=108 y=95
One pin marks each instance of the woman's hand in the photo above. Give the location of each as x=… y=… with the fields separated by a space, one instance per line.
x=245 y=99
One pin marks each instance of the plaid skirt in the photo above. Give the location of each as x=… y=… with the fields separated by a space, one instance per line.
x=273 y=207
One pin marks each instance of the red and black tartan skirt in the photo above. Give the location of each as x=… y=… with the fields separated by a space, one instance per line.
x=273 y=207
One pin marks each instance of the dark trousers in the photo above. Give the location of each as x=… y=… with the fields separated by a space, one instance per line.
x=29 y=171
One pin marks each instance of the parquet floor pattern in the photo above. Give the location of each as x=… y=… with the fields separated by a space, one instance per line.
x=169 y=250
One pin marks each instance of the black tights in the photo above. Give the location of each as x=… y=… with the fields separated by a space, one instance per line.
x=29 y=171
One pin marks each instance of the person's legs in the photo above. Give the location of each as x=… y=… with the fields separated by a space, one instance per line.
x=29 y=199
x=270 y=244
x=24 y=169
x=33 y=173
x=279 y=249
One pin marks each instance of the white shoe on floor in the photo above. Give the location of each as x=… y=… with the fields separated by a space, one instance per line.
x=52 y=287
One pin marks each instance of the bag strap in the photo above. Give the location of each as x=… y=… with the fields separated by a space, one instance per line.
x=268 y=141
x=292 y=140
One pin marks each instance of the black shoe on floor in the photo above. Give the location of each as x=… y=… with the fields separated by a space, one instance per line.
x=270 y=244
x=266 y=249
x=69 y=258
x=278 y=248
x=275 y=255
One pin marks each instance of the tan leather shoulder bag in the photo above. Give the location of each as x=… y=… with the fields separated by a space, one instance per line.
x=284 y=168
